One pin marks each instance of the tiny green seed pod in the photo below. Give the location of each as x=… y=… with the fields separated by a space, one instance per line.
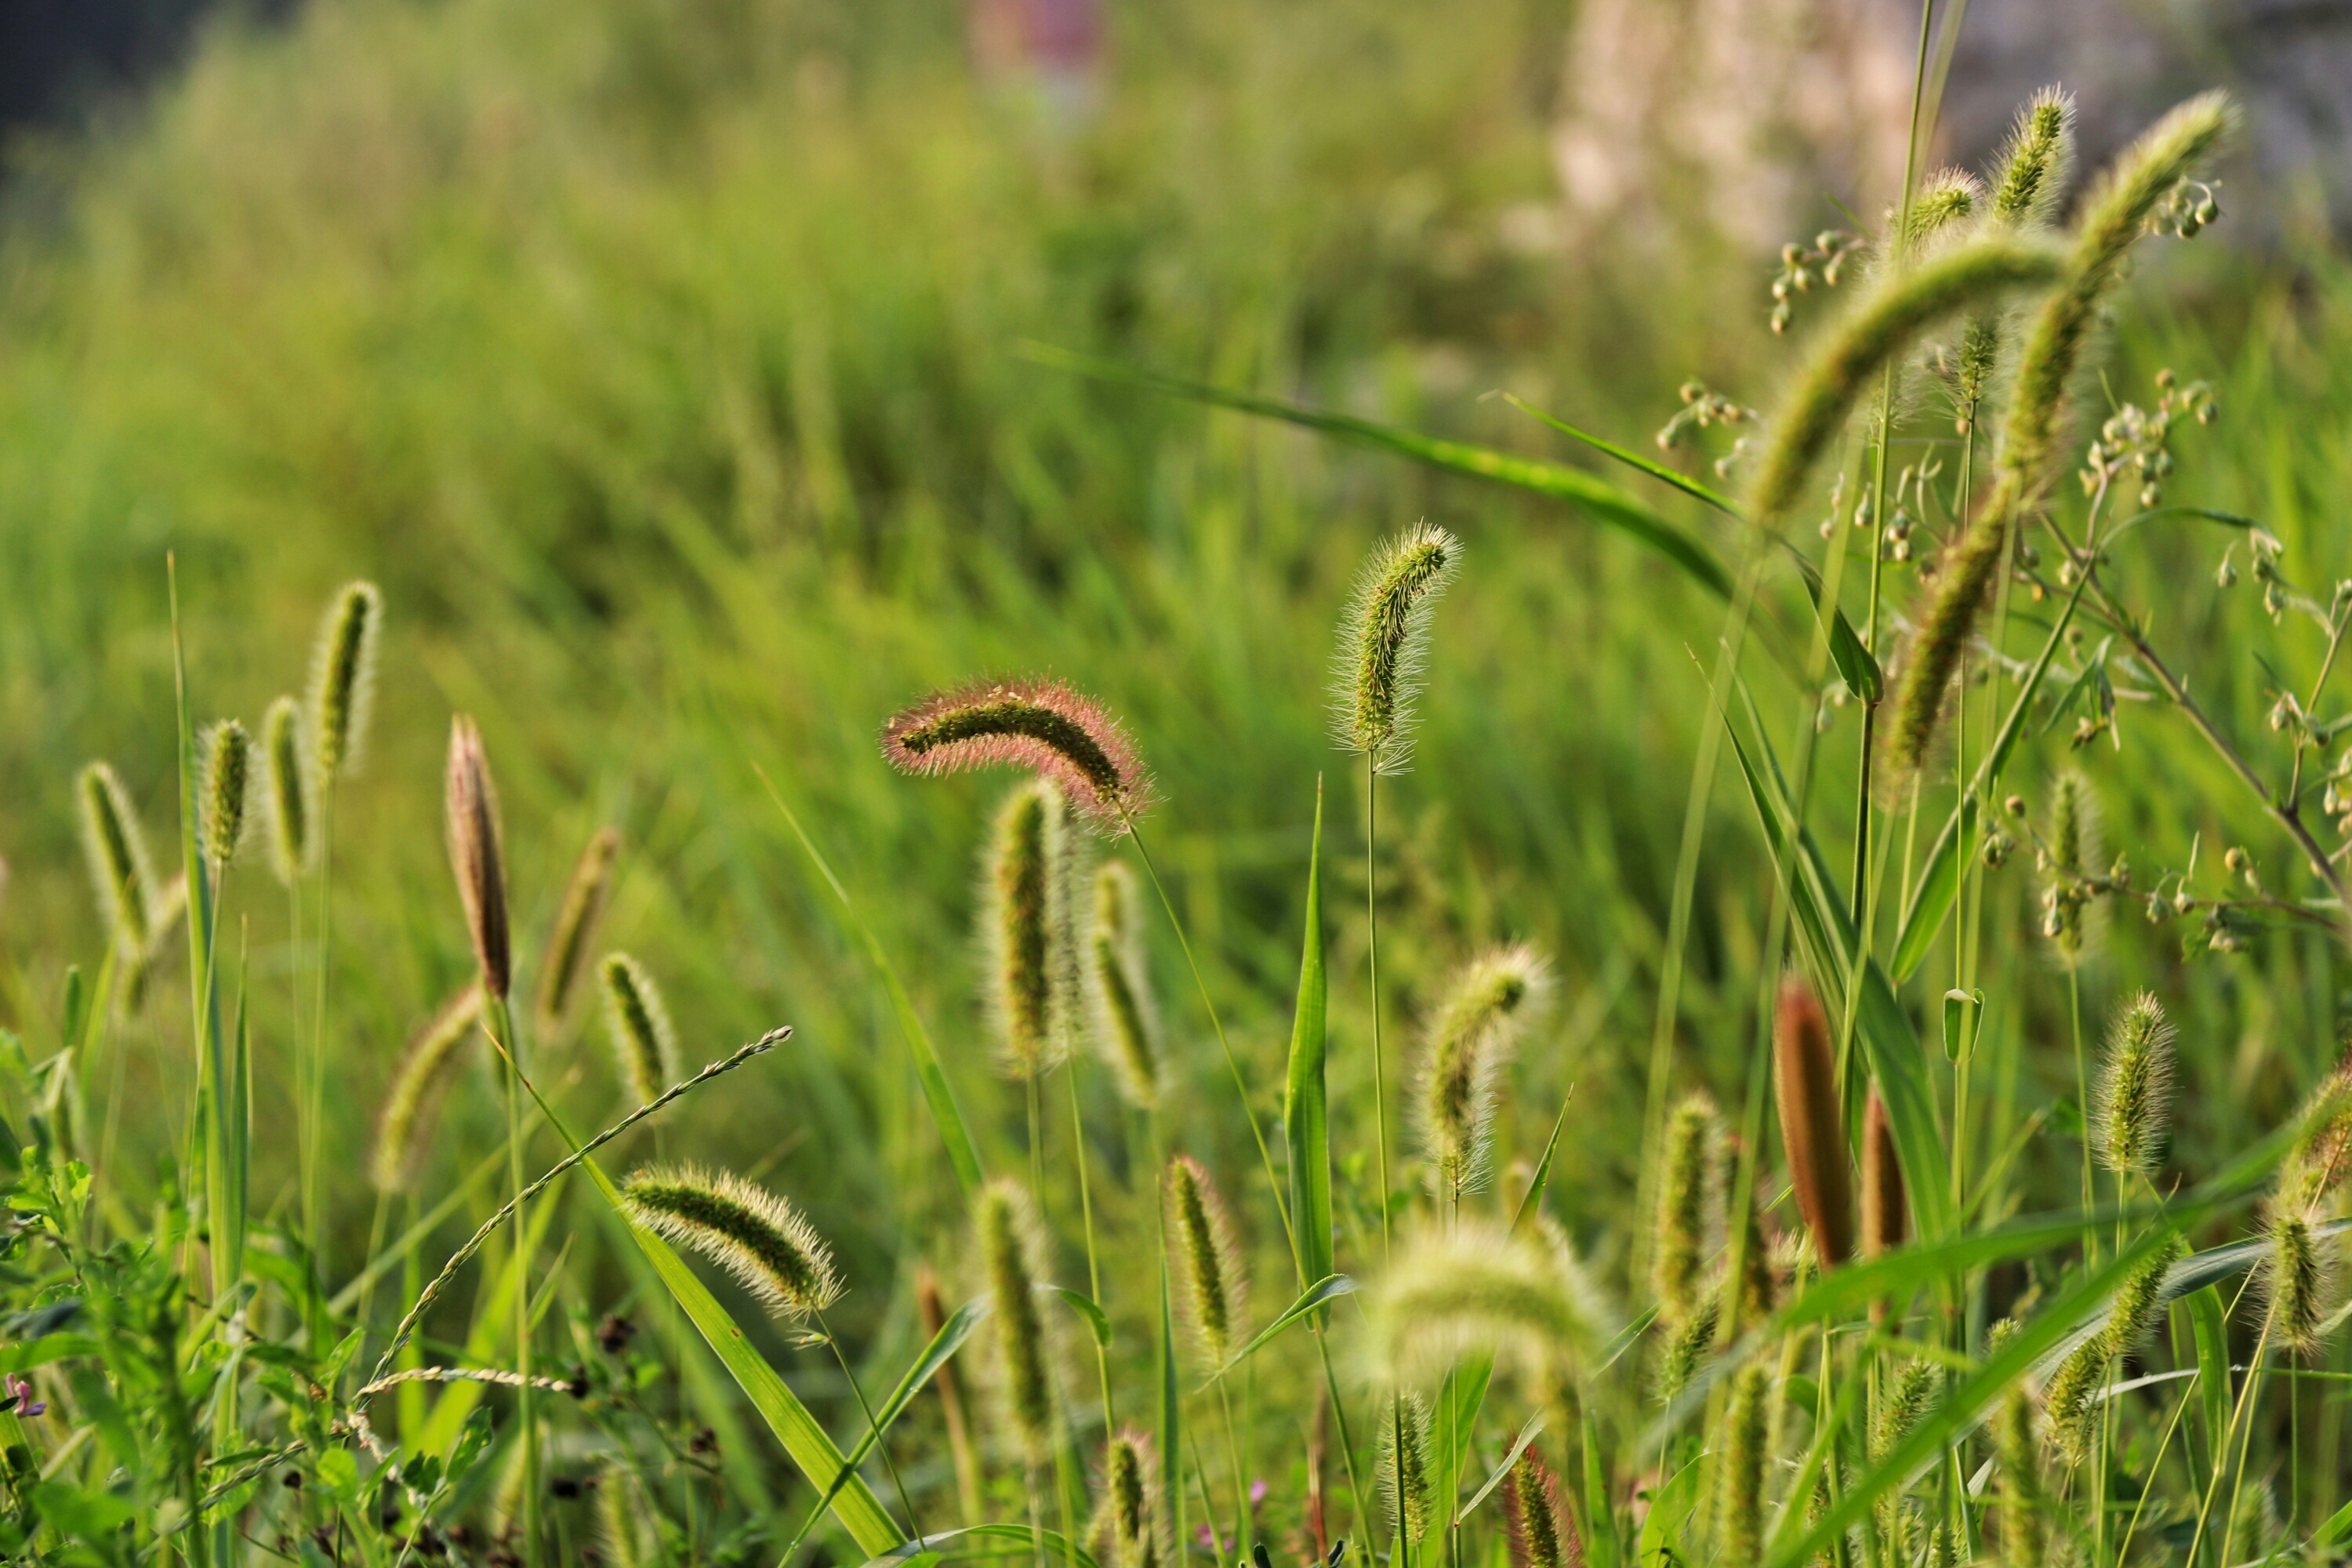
x=643 y=1043
x=343 y=679
x=225 y=759
x=1471 y=1039
x=1126 y=1015
x=1027 y=930
x=1742 y=1536
x=119 y=865
x=575 y=931
x=286 y=764
x=1690 y=1207
x=754 y=1234
x=2134 y=1104
x=1403 y=1466
x=1013 y=1255
x=1384 y=640
x=1542 y=1532
x=1208 y=1263
x=417 y=1086
x=477 y=856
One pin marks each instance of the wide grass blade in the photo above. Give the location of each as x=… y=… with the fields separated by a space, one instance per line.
x=1528 y=1433
x=963 y=1154
x=1311 y=1299
x=1023 y=1540
x=1631 y=458
x=1598 y=498
x=1306 y=1111
x=1532 y=1201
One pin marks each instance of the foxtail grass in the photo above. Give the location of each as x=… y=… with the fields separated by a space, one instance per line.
x=1403 y=1467
x=2135 y=1101
x=418 y=1083
x=1127 y=1028
x=224 y=791
x=645 y=1044
x=1540 y=1531
x=343 y=679
x=1027 y=930
x=1384 y=644
x=1045 y=727
x=1811 y=1130
x=1012 y=1256
x=119 y=865
x=293 y=839
x=755 y=1234
x=1690 y=1207
x=568 y=946
x=1476 y=1028
x=1214 y=1292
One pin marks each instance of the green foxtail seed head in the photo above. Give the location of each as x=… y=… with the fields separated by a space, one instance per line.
x=1013 y=1255
x=624 y=1529
x=343 y=679
x=2322 y=1154
x=285 y=763
x=1403 y=1471
x=2036 y=160
x=1690 y=1207
x=643 y=1043
x=1848 y=356
x=1804 y=1083
x=1943 y=202
x=477 y=855
x=1043 y=726
x=1914 y=1388
x=1212 y=1289
x=1542 y=1532
x=2069 y=1412
x=1471 y=1039
x=1384 y=641
x=119 y=865
x=1474 y=1287
x=417 y=1086
x=1689 y=1349
x=575 y=930
x=1742 y=1536
x=2135 y=1105
x=1126 y=1013
x=1128 y=1525
x=1027 y=930
x=2069 y=912
x=224 y=755
x=752 y=1233
x=2113 y=217
x=2297 y=1280
x=2024 y=1533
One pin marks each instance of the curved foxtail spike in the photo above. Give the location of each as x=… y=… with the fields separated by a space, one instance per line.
x=2114 y=216
x=1012 y=1254
x=286 y=766
x=645 y=1045
x=1805 y=1085
x=477 y=856
x=575 y=931
x=225 y=753
x=2321 y=1156
x=343 y=679
x=773 y=1251
x=1878 y=328
x=2135 y=1108
x=1215 y=1289
x=119 y=865
x=1690 y=1207
x=1471 y=1040
x=417 y=1086
x=1126 y=1013
x=1045 y=726
x=1944 y=201
x=2070 y=1411
x=1384 y=640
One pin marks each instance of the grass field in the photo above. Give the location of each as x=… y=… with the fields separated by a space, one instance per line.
x=668 y=369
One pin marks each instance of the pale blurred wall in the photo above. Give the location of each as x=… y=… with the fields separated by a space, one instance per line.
x=1733 y=121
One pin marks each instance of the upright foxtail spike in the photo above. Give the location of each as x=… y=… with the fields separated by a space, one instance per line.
x=1805 y=1085
x=1384 y=641
x=224 y=763
x=1012 y=1254
x=1208 y=1262
x=2135 y=1102
x=1404 y=1466
x=568 y=946
x=1690 y=1207
x=1741 y=1535
x=1541 y=1531
x=2036 y=160
x=343 y=679
x=1476 y=1028
x=119 y=865
x=645 y=1045
x=285 y=763
x=1127 y=1022
x=477 y=855
x=1026 y=930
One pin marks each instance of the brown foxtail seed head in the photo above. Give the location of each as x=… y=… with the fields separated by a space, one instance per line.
x=1045 y=726
x=417 y=1086
x=287 y=765
x=476 y=854
x=1127 y=1015
x=1384 y=642
x=1403 y=1467
x=1690 y=1206
x=643 y=1043
x=1028 y=930
x=1213 y=1289
x=1013 y=1255
x=342 y=678
x=1471 y=1040
x=1886 y=1216
x=2036 y=160
x=119 y=865
x=1542 y=1532
x=2135 y=1105
x=1805 y=1085
x=754 y=1234
x=575 y=930
x=225 y=753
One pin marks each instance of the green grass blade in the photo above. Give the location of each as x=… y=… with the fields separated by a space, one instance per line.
x=1598 y=498
x=1457 y=1416
x=1532 y=1201
x=1601 y=1539
x=1631 y=459
x=1098 y=1321
x=2208 y=1322
x=1172 y=1405
x=1306 y=1111
x=1313 y=1299
x=1518 y=1446
x=220 y=1201
x=932 y=1548
x=963 y=1154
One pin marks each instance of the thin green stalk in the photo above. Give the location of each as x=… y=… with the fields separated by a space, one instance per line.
x=832 y=1342
x=1372 y=968
x=1093 y=1267
x=1241 y=1480
x=500 y=1021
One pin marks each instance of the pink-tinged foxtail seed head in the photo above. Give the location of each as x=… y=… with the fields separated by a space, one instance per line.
x=1046 y=726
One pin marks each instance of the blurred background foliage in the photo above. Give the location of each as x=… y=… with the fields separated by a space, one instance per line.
x=660 y=360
